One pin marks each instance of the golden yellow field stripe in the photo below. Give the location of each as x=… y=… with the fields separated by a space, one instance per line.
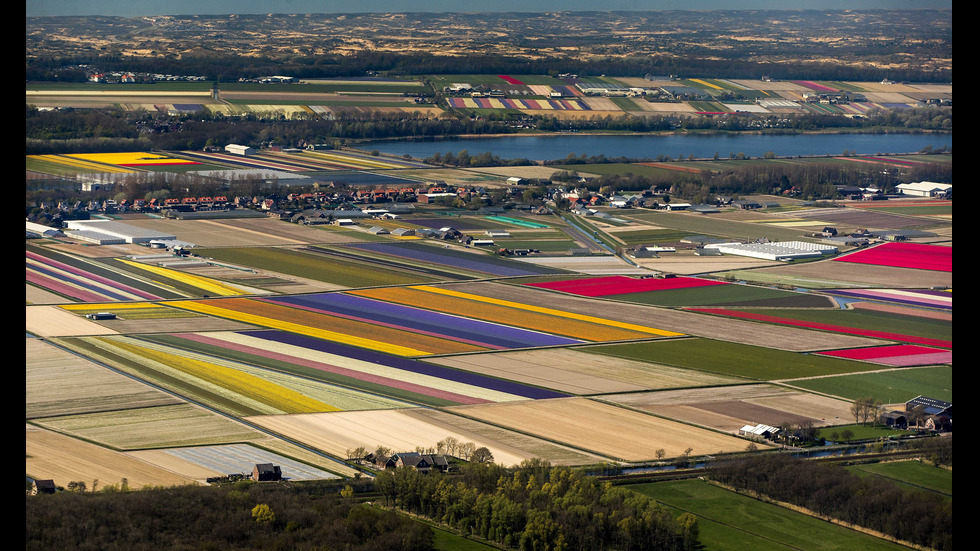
x=245 y=384
x=290 y=327
x=203 y=283
x=699 y=81
x=550 y=311
x=355 y=160
x=78 y=163
x=110 y=305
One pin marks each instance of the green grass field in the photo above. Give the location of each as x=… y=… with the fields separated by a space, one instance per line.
x=729 y=521
x=867 y=319
x=916 y=475
x=891 y=387
x=351 y=274
x=726 y=358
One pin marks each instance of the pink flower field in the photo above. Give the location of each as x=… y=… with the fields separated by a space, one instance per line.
x=905 y=255
x=619 y=285
x=899 y=355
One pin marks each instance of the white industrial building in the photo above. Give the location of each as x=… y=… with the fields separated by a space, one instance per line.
x=783 y=251
x=110 y=232
x=925 y=189
x=239 y=149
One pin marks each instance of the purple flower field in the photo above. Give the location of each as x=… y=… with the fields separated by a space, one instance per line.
x=481 y=333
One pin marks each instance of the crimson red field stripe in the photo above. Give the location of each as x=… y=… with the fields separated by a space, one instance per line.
x=826 y=327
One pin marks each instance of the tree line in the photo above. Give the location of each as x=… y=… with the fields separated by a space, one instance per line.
x=539 y=507
x=312 y=515
x=875 y=503
x=228 y=68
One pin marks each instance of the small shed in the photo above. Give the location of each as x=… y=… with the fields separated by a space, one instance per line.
x=266 y=472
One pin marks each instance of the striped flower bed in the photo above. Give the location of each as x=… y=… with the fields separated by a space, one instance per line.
x=911 y=297
x=618 y=285
x=423 y=322
x=78 y=284
x=506 y=103
x=132 y=159
x=904 y=255
x=826 y=327
x=536 y=318
x=901 y=355
x=468 y=261
x=223 y=378
x=511 y=80
x=205 y=284
x=372 y=370
x=351 y=332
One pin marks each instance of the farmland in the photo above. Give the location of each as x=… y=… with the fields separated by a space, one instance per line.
x=307 y=342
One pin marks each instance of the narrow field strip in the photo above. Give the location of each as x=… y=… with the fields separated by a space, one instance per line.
x=205 y=284
x=826 y=327
x=61 y=271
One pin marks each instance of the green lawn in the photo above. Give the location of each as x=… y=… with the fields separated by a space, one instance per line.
x=891 y=387
x=913 y=474
x=726 y=358
x=729 y=521
x=314 y=267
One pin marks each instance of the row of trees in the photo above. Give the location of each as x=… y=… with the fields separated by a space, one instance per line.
x=229 y=68
x=539 y=507
x=244 y=515
x=875 y=503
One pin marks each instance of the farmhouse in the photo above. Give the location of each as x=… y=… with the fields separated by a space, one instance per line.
x=43 y=487
x=266 y=472
x=761 y=430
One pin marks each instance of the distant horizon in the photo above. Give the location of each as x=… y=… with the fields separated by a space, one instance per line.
x=142 y=8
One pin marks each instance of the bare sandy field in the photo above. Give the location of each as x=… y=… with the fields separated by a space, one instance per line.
x=615 y=432
x=64 y=459
x=690 y=264
x=577 y=372
x=243 y=232
x=689 y=323
x=730 y=408
x=34 y=295
x=401 y=430
x=58 y=382
x=173 y=325
x=51 y=321
x=863 y=274
x=152 y=427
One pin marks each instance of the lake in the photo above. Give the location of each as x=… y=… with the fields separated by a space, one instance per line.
x=556 y=147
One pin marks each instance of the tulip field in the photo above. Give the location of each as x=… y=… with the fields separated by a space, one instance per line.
x=302 y=343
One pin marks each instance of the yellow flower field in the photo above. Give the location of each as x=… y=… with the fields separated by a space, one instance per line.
x=256 y=388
